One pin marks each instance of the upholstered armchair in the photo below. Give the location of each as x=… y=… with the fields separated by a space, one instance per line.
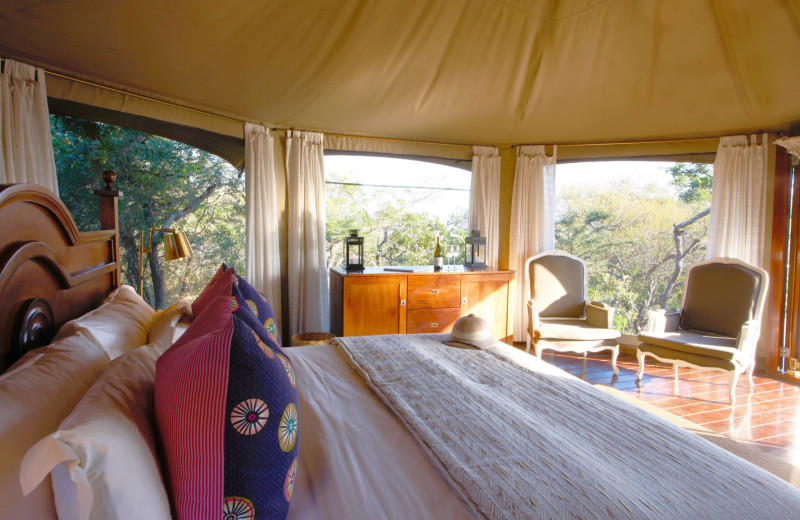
x=560 y=317
x=717 y=326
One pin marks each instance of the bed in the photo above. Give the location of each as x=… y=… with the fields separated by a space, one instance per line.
x=392 y=426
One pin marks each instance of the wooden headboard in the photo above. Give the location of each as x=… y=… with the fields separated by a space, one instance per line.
x=50 y=272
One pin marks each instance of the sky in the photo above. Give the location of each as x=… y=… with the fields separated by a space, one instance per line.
x=602 y=173
x=405 y=172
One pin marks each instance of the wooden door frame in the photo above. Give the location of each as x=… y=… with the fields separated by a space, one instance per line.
x=793 y=293
x=776 y=298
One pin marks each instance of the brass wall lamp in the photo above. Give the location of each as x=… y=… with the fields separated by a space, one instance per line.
x=176 y=246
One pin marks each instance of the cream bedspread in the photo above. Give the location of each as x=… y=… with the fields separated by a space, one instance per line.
x=357 y=460
x=534 y=442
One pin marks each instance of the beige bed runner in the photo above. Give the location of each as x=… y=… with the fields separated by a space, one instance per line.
x=538 y=443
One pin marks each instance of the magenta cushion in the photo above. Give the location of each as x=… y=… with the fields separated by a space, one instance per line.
x=210 y=292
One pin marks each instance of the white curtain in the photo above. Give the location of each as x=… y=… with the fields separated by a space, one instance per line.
x=484 y=199
x=262 y=256
x=738 y=199
x=307 y=271
x=792 y=144
x=26 y=147
x=532 y=222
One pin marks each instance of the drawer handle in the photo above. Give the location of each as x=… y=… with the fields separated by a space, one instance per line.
x=434 y=291
x=434 y=325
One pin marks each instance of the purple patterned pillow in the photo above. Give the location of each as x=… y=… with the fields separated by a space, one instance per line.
x=226 y=409
x=256 y=302
x=248 y=298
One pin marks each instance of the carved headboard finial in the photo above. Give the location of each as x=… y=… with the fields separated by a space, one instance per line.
x=109 y=177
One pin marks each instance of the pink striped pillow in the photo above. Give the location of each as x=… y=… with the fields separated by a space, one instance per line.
x=210 y=292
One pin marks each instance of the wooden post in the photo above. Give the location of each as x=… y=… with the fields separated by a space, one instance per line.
x=109 y=218
x=776 y=302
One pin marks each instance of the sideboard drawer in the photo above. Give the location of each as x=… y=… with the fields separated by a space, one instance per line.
x=434 y=292
x=420 y=321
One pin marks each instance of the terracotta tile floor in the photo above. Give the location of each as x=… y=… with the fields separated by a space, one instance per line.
x=768 y=418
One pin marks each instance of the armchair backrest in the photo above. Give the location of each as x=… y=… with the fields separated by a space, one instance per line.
x=558 y=284
x=721 y=294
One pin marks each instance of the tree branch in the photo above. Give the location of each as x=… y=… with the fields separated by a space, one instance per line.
x=191 y=207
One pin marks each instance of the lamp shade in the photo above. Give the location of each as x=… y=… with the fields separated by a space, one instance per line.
x=176 y=245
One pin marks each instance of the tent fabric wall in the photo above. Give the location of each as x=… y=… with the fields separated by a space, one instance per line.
x=228 y=147
x=147 y=105
x=480 y=72
x=682 y=150
x=378 y=146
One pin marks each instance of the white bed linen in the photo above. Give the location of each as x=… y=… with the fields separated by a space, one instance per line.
x=357 y=460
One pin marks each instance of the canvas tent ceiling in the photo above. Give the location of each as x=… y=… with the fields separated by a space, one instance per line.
x=473 y=72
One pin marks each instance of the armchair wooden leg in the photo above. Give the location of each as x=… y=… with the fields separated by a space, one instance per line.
x=733 y=378
x=640 y=356
x=750 y=375
x=614 y=354
x=528 y=344
x=537 y=351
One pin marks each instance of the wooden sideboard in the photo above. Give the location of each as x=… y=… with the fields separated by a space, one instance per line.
x=377 y=301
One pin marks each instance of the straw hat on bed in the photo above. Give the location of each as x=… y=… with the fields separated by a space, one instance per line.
x=470 y=331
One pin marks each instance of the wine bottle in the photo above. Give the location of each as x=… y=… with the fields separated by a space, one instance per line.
x=437 y=256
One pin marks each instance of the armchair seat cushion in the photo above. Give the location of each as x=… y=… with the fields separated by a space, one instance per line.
x=691 y=342
x=692 y=359
x=573 y=329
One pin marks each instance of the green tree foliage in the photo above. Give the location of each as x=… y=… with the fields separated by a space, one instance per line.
x=394 y=232
x=693 y=182
x=636 y=242
x=165 y=184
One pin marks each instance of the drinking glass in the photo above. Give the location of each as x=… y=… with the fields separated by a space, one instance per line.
x=452 y=254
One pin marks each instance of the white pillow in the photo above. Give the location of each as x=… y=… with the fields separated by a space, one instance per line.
x=35 y=396
x=28 y=359
x=103 y=456
x=119 y=325
x=168 y=324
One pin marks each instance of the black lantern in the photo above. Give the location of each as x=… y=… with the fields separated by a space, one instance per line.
x=354 y=251
x=476 y=250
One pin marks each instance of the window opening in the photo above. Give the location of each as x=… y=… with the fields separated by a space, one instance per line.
x=165 y=184
x=398 y=205
x=638 y=226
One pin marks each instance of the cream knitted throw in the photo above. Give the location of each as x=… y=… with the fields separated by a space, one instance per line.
x=520 y=443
